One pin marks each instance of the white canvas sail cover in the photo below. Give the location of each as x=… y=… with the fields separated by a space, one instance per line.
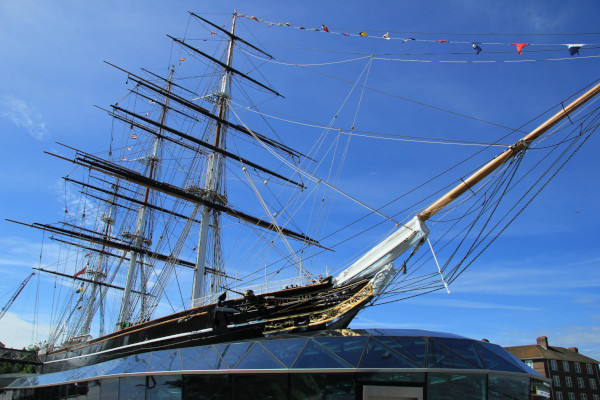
x=384 y=253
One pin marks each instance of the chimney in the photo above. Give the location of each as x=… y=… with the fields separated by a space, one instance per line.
x=543 y=341
x=574 y=349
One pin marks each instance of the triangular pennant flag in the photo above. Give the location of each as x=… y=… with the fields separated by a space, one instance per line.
x=134 y=136
x=574 y=48
x=442 y=41
x=346 y=34
x=325 y=28
x=80 y=272
x=520 y=46
x=363 y=34
x=387 y=36
x=406 y=40
x=477 y=48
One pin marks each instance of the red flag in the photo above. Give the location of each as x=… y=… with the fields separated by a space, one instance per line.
x=134 y=136
x=442 y=41
x=520 y=46
x=325 y=28
x=80 y=272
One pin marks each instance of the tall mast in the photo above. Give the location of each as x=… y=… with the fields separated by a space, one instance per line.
x=213 y=177
x=138 y=237
x=98 y=275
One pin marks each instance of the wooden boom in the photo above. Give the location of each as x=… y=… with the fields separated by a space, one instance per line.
x=505 y=156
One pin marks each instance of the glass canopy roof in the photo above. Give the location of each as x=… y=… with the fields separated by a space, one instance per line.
x=397 y=349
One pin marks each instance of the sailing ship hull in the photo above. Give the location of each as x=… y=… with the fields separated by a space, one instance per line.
x=313 y=307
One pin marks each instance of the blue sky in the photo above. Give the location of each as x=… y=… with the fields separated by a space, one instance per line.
x=540 y=278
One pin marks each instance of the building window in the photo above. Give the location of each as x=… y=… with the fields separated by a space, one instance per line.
x=595 y=397
x=593 y=384
x=583 y=396
x=558 y=395
x=566 y=366
x=571 y=396
x=577 y=367
x=589 y=368
x=580 y=383
x=554 y=365
x=556 y=380
x=569 y=381
x=529 y=363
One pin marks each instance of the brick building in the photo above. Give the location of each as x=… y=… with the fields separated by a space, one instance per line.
x=574 y=376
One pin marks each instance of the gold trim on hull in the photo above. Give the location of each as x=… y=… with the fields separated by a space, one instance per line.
x=320 y=317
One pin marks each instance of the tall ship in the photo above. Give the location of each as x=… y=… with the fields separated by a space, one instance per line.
x=193 y=197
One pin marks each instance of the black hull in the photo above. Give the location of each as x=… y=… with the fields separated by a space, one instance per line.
x=315 y=307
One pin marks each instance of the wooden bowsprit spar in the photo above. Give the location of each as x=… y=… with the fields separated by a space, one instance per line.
x=377 y=263
x=509 y=153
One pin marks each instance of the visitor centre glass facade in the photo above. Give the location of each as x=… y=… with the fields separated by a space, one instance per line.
x=342 y=364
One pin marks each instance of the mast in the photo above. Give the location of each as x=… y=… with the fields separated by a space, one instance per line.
x=213 y=178
x=138 y=237
x=98 y=275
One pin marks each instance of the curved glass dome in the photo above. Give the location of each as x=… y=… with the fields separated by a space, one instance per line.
x=339 y=350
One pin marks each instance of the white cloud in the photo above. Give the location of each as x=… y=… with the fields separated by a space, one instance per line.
x=18 y=333
x=24 y=116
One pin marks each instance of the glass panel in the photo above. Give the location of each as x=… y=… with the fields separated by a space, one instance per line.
x=135 y=363
x=391 y=377
x=109 y=389
x=348 y=348
x=413 y=348
x=455 y=386
x=132 y=388
x=494 y=361
x=441 y=357
x=202 y=358
x=465 y=348
x=232 y=353
x=509 y=357
x=259 y=358
x=507 y=387
x=377 y=355
x=164 y=387
x=316 y=356
x=260 y=387
x=93 y=390
x=166 y=360
x=322 y=386
x=285 y=350
x=206 y=387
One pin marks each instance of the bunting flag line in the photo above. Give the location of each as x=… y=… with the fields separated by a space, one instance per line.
x=573 y=49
